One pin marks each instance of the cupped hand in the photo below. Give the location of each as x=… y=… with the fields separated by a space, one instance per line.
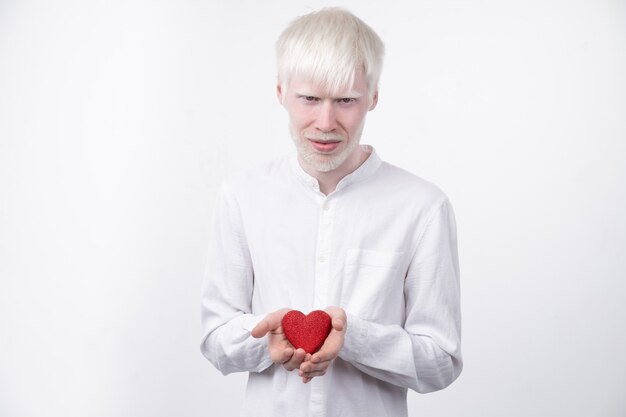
x=317 y=364
x=280 y=350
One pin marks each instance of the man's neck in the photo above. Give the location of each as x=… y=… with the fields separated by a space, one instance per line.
x=328 y=180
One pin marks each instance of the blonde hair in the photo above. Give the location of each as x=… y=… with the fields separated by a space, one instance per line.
x=328 y=47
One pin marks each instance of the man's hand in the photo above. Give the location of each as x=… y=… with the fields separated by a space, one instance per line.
x=281 y=351
x=317 y=364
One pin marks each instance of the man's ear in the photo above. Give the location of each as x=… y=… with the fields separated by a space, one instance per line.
x=374 y=101
x=279 y=93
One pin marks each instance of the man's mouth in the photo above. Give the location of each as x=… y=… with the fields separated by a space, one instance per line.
x=324 y=146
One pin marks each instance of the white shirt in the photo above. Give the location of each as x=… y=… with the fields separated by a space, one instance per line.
x=382 y=246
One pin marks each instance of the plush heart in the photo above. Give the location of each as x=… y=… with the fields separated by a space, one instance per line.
x=307 y=332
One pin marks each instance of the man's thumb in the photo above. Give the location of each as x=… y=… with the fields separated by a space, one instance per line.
x=260 y=329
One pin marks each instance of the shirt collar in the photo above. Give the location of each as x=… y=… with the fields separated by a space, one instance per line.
x=367 y=168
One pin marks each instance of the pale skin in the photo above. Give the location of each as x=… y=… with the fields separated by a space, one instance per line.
x=282 y=352
x=315 y=115
x=313 y=112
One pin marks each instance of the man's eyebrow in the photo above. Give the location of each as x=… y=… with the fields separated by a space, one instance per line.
x=304 y=93
x=347 y=94
x=350 y=94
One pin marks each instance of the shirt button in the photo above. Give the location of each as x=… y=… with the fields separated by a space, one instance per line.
x=326 y=207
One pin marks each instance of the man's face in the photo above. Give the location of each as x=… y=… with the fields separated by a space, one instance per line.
x=326 y=130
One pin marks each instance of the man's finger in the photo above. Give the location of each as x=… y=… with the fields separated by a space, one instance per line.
x=330 y=348
x=295 y=360
x=314 y=374
x=269 y=323
x=285 y=355
x=260 y=329
x=314 y=366
x=264 y=326
x=337 y=324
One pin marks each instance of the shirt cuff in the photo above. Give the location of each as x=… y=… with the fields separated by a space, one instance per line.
x=355 y=338
x=249 y=322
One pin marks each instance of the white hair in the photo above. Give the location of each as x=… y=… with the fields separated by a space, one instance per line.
x=328 y=47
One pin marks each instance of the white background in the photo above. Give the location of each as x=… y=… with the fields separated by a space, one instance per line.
x=119 y=119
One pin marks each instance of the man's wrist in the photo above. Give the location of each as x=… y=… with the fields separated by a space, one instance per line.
x=354 y=339
x=249 y=322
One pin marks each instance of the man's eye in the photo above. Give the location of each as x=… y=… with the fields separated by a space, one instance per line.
x=346 y=100
x=310 y=98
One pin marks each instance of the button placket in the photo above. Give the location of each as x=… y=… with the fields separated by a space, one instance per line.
x=317 y=404
x=322 y=266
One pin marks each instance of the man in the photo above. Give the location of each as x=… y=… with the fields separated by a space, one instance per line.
x=332 y=228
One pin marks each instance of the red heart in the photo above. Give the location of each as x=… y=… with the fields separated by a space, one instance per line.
x=307 y=332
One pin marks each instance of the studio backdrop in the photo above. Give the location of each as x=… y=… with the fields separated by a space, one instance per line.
x=119 y=120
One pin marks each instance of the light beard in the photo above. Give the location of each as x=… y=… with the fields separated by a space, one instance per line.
x=320 y=162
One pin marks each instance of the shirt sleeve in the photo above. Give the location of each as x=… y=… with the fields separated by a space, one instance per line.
x=226 y=295
x=425 y=353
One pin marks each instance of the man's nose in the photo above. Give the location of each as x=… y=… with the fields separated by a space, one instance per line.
x=326 y=119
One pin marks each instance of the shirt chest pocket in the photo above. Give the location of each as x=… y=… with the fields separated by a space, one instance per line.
x=373 y=284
